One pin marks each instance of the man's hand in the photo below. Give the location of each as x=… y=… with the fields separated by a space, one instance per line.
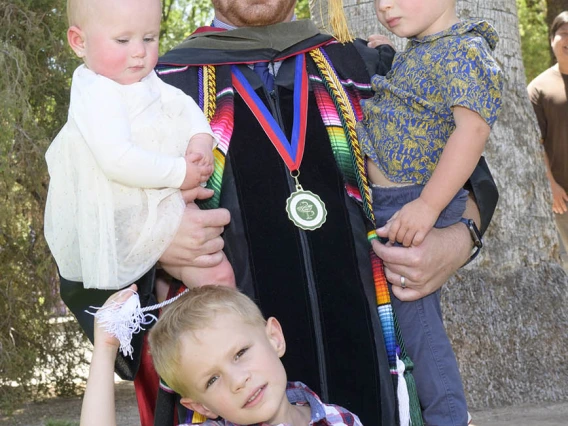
x=559 y=198
x=197 y=193
x=376 y=40
x=198 y=240
x=428 y=266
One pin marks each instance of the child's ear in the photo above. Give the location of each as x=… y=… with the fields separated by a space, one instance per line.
x=200 y=408
x=276 y=336
x=76 y=39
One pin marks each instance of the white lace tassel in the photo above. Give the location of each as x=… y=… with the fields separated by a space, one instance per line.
x=122 y=320
x=402 y=393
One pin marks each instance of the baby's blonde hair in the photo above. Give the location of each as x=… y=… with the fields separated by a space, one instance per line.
x=195 y=310
x=77 y=10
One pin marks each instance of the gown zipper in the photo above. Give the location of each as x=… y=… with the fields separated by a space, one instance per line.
x=272 y=97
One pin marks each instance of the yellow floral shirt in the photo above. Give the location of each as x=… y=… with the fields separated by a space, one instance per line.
x=409 y=120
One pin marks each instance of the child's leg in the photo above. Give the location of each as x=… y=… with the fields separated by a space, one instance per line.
x=436 y=372
x=192 y=276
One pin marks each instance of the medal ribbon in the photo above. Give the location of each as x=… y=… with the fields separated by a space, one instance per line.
x=291 y=152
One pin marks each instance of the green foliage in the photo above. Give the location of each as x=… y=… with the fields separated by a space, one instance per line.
x=303 y=9
x=180 y=18
x=60 y=423
x=35 y=66
x=535 y=44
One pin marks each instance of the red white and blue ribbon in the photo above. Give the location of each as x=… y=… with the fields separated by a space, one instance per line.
x=291 y=151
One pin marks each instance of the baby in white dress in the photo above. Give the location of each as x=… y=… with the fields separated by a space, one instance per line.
x=130 y=144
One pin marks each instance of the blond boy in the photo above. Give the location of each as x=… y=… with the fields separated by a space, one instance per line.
x=214 y=348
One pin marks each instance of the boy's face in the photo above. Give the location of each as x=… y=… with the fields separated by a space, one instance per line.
x=119 y=40
x=233 y=370
x=559 y=43
x=416 y=18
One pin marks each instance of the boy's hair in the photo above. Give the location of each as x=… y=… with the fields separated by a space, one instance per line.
x=193 y=311
x=560 y=20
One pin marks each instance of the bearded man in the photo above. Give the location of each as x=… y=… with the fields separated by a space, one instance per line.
x=291 y=196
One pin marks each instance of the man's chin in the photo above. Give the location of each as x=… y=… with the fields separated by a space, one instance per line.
x=263 y=20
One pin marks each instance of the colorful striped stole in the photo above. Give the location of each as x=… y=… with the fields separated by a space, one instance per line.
x=340 y=112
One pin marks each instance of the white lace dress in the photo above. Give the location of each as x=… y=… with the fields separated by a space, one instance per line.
x=113 y=204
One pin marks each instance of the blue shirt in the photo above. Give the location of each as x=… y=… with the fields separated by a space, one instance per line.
x=409 y=120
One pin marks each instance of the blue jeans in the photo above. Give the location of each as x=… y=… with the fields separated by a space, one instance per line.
x=436 y=371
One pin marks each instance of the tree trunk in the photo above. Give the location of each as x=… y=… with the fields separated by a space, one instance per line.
x=507 y=312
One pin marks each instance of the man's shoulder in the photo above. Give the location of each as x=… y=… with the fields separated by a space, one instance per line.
x=358 y=62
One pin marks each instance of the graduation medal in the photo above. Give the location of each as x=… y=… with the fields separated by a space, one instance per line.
x=305 y=209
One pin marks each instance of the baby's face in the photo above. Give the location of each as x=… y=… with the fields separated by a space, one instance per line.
x=121 y=39
x=416 y=18
x=233 y=370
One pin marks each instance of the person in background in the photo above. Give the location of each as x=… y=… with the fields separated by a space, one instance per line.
x=548 y=96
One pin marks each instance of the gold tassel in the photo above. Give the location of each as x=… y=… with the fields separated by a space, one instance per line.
x=338 y=21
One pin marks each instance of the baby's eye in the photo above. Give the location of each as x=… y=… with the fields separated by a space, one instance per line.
x=241 y=353
x=121 y=40
x=211 y=381
x=149 y=39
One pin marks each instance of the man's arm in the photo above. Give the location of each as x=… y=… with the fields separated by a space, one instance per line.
x=378 y=60
x=559 y=196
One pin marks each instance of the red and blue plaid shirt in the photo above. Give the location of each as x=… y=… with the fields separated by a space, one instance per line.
x=322 y=414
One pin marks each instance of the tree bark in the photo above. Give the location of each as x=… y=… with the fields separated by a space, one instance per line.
x=507 y=312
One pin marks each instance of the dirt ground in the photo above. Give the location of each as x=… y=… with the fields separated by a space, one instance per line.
x=67 y=411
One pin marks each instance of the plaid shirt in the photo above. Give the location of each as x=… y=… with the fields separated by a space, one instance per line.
x=322 y=414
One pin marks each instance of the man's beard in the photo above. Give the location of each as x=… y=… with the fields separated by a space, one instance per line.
x=253 y=13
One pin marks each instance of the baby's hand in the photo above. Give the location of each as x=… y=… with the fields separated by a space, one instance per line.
x=198 y=168
x=410 y=225
x=199 y=161
x=102 y=337
x=376 y=40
